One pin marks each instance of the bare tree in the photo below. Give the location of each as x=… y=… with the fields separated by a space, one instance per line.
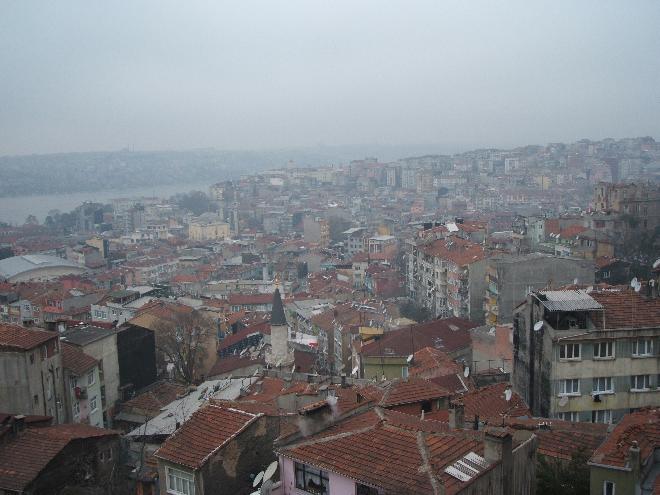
x=185 y=339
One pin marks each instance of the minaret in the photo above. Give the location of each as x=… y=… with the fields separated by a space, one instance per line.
x=279 y=355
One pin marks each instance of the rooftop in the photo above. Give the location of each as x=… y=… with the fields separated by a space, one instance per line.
x=568 y=300
x=76 y=360
x=26 y=455
x=19 y=265
x=15 y=338
x=206 y=432
x=86 y=335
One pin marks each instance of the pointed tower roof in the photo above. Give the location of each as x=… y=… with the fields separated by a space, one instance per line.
x=277 y=316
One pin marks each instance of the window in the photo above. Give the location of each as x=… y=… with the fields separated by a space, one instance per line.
x=642 y=348
x=311 y=480
x=180 y=482
x=640 y=383
x=90 y=378
x=603 y=385
x=604 y=350
x=609 y=488
x=572 y=416
x=361 y=489
x=36 y=400
x=602 y=416
x=76 y=409
x=32 y=358
x=404 y=372
x=569 y=351
x=92 y=404
x=569 y=387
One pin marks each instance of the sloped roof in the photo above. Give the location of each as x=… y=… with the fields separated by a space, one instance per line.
x=24 y=457
x=156 y=397
x=15 y=338
x=568 y=300
x=19 y=265
x=448 y=335
x=642 y=427
x=387 y=450
x=75 y=360
x=410 y=391
x=277 y=316
x=455 y=249
x=627 y=309
x=207 y=431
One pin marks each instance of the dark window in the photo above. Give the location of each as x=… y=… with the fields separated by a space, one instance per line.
x=426 y=406
x=365 y=490
x=311 y=480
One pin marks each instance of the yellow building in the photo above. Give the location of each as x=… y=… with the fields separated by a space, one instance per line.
x=208 y=230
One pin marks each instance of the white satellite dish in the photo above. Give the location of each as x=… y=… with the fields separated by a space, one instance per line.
x=466 y=371
x=538 y=326
x=575 y=281
x=258 y=479
x=563 y=401
x=491 y=331
x=410 y=358
x=508 y=394
x=355 y=370
x=635 y=284
x=656 y=264
x=270 y=471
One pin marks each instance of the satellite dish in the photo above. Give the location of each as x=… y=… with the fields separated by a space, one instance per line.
x=563 y=401
x=466 y=371
x=656 y=264
x=508 y=394
x=355 y=370
x=633 y=282
x=410 y=358
x=258 y=479
x=538 y=326
x=575 y=281
x=270 y=471
x=491 y=331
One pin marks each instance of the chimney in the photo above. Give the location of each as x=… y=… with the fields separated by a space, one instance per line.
x=498 y=447
x=457 y=416
x=634 y=458
x=343 y=380
x=19 y=424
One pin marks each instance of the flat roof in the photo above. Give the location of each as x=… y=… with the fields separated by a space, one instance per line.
x=86 y=335
x=17 y=265
x=568 y=300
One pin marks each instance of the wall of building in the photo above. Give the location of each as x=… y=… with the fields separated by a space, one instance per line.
x=624 y=480
x=23 y=379
x=338 y=484
x=105 y=351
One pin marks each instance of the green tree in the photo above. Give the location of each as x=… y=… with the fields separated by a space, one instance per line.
x=555 y=476
x=412 y=311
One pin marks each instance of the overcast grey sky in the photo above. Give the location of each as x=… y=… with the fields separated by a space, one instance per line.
x=98 y=75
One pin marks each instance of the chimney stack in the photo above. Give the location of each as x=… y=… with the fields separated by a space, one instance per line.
x=456 y=416
x=498 y=447
x=19 y=424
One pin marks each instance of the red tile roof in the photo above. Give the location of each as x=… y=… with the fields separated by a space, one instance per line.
x=230 y=363
x=448 y=335
x=75 y=360
x=642 y=427
x=387 y=450
x=15 y=338
x=22 y=458
x=455 y=249
x=431 y=360
x=154 y=399
x=626 y=309
x=410 y=391
x=208 y=430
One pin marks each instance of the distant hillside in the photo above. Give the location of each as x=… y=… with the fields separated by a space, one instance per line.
x=115 y=170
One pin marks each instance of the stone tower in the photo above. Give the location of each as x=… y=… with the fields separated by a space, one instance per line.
x=280 y=354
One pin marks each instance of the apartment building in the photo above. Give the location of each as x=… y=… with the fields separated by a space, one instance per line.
x=587 y=355
x=448 y=276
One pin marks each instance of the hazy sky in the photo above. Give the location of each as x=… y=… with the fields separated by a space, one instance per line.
x=99 y=75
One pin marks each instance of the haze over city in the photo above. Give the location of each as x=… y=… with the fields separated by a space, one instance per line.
x=85 y=76
x=291 y=247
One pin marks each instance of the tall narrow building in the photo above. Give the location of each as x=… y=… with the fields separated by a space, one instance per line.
x=280 y=354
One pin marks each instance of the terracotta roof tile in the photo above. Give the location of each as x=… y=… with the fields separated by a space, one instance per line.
x=626 y=309
x=448 y=335
x=156 y=397
x=207 y=430
x=15 y=338
x=74 y=359
x=410 y=391
x=455 y=249
x=24 y=457
x=642 y=427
